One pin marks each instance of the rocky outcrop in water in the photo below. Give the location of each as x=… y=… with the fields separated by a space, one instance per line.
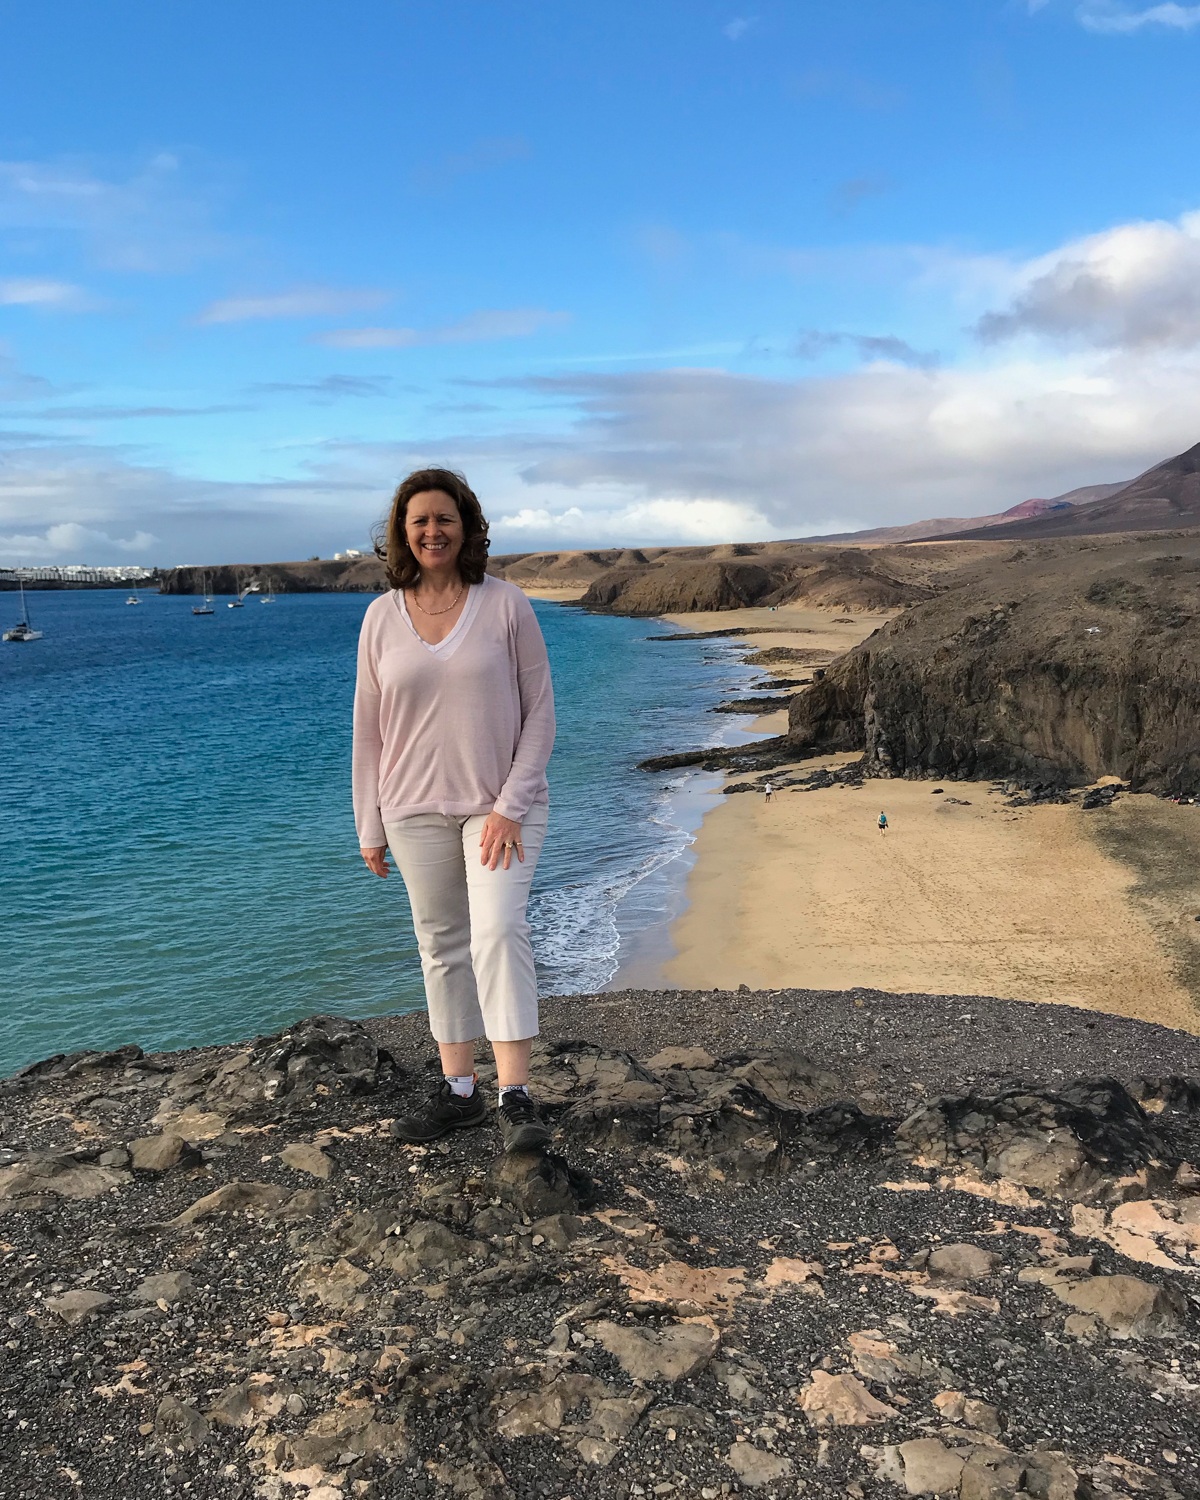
x=1068 y=667
x=741 y=1269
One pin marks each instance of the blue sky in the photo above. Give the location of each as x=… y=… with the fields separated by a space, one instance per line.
x=672 y=271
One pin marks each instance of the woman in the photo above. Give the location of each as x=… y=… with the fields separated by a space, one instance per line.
x=453 y=726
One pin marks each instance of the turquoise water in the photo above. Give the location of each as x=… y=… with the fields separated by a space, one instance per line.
x=177 y=851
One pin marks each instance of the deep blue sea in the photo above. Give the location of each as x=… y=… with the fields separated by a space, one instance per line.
x=178 y=862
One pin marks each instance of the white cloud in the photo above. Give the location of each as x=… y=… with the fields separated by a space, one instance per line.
x=146 y=221
x=1109 y=16
x=621 y=520
x=31 y=291
x=477 y=327
x=68 y=539
x=691 y=454
x=1136 y=287
x=301 y=302
x=736 y=29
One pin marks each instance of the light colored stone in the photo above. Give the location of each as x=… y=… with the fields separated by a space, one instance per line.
x=875 y=1358
x=596 y=1451
x=930 y=1468
x=159 y=1153
x=674 y=1284
x=179 y=1426
x=170 y=1286
x=1049 y=1476
x=1128 y=1306
x=785 y=1272
x=990 y=1474
x=690 y=1059
x=194 y=1124
x=78 y=1306
x=951 y=1405
x=60 y=1178
x=962 y=1262
x=841 y=1401
x=982 y=1417
x=310 y=1159
x=756 y=1467
x=886 y=1462
x=675 y=1352
x=232 y=1197
x=338 y=1286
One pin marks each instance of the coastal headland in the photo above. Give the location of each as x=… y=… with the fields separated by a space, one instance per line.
x=788 y=1243
x=977 y=721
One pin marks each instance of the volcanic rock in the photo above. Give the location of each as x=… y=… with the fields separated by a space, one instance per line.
x=1063 y=668
x=673 y=1352
x=159 y=1153
x=744 y=1277
x=1069 y=1142
x=78 y=1306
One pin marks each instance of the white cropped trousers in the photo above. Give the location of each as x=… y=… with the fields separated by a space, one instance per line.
x=470 y=923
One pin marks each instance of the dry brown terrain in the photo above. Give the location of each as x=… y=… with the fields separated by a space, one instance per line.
x=963 y=894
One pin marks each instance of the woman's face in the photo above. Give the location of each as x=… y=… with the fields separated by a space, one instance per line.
x=433 y=529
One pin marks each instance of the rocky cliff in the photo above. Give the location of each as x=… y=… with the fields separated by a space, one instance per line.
x=682 y=580
x=833 y=1245
x=317 y=576
x=1069 y=667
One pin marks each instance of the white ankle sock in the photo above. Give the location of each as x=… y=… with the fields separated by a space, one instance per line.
x=463 y=1087
x=513 y=1088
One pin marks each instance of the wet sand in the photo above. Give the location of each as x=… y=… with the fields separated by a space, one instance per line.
x=963 y=895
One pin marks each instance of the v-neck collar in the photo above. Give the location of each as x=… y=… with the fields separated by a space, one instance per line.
x=447 y=648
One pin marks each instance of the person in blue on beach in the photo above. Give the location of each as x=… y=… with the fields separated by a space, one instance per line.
x=883 y=822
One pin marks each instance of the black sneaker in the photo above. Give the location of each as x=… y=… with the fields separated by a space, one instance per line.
x=521 y=1127
x=443 y=1111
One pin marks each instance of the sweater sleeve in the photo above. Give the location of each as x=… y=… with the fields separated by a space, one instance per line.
x=537 y=716
x=368 y=743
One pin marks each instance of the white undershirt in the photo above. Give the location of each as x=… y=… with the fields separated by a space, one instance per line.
x=450 y=644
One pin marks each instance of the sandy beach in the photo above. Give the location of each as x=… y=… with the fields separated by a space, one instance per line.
x=963 y=895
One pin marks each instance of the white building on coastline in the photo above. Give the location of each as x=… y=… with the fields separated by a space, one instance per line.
x=78 y=573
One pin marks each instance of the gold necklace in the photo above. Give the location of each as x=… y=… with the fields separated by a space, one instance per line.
x=447 y=609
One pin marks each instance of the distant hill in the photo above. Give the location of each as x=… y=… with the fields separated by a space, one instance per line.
x=958 y=526
x=1164 y=498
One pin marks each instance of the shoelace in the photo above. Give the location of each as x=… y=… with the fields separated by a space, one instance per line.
x=517 y=1104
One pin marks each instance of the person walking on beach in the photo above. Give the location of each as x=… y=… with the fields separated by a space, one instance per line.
x=883 y=822
x=453 y=726
x=768 y=792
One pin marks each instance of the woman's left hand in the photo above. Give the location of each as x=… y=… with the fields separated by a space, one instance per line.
x=499 y=838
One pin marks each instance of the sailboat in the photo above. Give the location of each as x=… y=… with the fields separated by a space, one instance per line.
x=22 y=630
x=269 y=596
x=205 y=608
x=135 y=597
x=240 y=601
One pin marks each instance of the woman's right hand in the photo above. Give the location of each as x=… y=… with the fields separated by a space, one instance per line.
x=376 y=860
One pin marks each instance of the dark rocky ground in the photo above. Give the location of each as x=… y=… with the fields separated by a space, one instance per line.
x=803 y=1244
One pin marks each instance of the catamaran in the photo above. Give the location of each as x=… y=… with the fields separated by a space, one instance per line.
x=205 y=608
x=22 y=630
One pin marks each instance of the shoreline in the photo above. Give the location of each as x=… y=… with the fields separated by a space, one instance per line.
x=964 y=895
x=817 y=634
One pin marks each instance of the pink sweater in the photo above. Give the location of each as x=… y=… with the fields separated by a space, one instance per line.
x=460 y=728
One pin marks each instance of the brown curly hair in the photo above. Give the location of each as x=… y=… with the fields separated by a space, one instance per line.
x=391 y=545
